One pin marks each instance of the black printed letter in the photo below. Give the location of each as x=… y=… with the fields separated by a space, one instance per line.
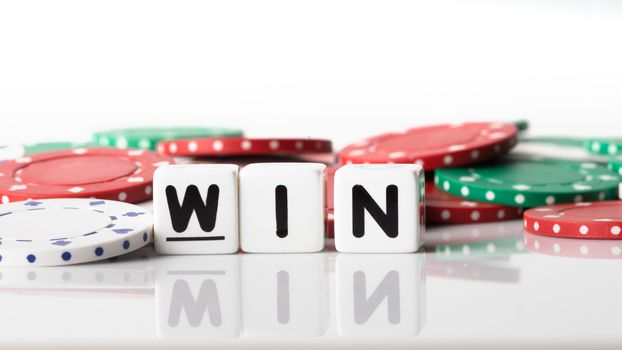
x=361 y=201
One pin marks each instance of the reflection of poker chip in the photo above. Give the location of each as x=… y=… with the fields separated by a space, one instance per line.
x=472 y=270
x=436 y=146
x=573 y=248
x=51 y=232
x=478 y=250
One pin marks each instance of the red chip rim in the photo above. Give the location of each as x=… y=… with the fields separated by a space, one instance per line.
x=443 y=208
x=573 y=248
x=437 y=146
x=588 y=220
x=104 y=173
x=241 y=146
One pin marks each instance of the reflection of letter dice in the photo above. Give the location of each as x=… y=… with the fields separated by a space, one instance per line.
x=380 y=295
x=284 y=295
x=197 y=297
x=282 y=207
x=195 y=209
x=377 y=208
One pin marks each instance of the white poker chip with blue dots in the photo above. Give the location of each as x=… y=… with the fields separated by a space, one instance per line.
x=8 y=152
x=51 y=232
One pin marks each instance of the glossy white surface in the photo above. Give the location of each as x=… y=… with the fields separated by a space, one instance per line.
x=475 y=284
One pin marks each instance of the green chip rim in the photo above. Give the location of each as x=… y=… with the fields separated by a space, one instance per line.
x=611 y=146
x=530 y=182
x=148 y=138
x=615 y=165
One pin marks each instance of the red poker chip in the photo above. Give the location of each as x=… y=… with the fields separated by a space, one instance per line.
x=105 y=173
x=241 y=146
x=433 y=147
x=589 y=220
x=330 y=198
x=443 y=208
x=573 y=248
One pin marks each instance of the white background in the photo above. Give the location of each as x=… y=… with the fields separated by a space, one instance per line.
x=342 y=69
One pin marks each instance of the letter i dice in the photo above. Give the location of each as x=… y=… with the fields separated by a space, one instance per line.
x=196 y=209
x=282 y=208
x=377 y=208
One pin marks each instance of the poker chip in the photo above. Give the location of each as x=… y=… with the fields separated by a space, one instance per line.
x=589 y=220
x=8 y=152
x=443 y=208
x=105 y=173
x=70 y=231
x=54 y=146
x=148 y=138
x=615 y=165
x=573 y=248
x=530 y=182
x=610 y=146
x=330 y=200
x=437 y=146
x=239 y=146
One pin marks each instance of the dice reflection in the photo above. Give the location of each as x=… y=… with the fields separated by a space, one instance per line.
x=380 y=294
x=198 y=297
x=287 y=295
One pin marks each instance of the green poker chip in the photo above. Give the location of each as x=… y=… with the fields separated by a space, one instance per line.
x=530 y=182
x=54 y=146
x=615 y=165
x=610 y=146
x=148 y=138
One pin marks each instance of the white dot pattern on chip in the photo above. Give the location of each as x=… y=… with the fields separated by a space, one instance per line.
x=122 y=196
x=464 y=191
x=217 y=145
x=556 y=228
x=583 y=230
x=615 y=230
x=475 y=215
x=519 y=199
x=445 y=214
x=274 y=145
x=490 y=195
x=192 y=146
x=447 y=159
x=246 y=145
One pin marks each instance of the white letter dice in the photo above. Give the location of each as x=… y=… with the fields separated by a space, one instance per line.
x=378 y=208
x=282 y=208
x=196 y=209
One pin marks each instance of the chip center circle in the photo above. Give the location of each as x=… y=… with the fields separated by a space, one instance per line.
x=599 y=211
x=439 y=137
x=77 y=170
x=530 y=173
x=51 y=223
